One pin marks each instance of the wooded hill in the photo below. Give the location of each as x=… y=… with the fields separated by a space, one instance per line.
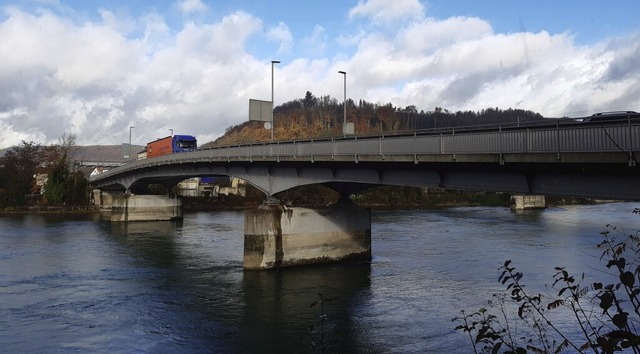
x=318 y=117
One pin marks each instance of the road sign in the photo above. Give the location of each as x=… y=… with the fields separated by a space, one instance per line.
x=260 y=110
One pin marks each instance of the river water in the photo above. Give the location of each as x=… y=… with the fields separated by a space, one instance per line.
x=73 y=283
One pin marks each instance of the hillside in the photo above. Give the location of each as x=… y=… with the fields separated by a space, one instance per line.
x=312 y=117
x=104 y=153
x=99 y=153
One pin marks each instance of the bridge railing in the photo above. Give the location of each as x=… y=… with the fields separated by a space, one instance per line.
x=558 y=138
x=555 y=138
x=575 y=139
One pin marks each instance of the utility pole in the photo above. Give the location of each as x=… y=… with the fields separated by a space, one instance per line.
x=130 y=129
x=344 y=104
x=273 y=124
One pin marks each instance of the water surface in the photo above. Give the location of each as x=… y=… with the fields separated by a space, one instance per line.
x=73 y=283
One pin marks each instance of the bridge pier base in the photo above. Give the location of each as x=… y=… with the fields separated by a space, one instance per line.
x=526 y=202
x=103 y=199
x=131 y=207
x=276 y=236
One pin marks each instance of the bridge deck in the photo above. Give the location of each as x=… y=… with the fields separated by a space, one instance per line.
x=550 y=159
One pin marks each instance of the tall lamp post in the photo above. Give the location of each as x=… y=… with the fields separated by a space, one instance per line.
x=130 y=128
x=344 y=103
x=273 y=123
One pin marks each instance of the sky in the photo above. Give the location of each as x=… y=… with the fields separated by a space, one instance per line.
x=96 y=68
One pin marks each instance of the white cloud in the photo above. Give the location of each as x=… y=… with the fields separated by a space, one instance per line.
x=428 y=35
x=94 y=82
x=96 y=79
x=384 y=11
x=191 y=6
x=120 y=22
x=283 y=36
x=460 y=63
x=156 y=33
x=316 y=43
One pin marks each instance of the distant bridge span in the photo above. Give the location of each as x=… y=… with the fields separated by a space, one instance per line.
x=566 y=158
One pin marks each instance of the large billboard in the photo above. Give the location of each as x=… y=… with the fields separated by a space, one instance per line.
x=260 y=110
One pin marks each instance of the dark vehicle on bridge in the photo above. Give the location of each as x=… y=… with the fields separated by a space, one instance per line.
x=611 y=116
x=171 y=144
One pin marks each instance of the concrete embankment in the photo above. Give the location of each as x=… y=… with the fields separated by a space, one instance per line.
x=50 y=209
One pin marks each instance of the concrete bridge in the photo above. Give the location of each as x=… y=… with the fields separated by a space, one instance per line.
x=560 y=157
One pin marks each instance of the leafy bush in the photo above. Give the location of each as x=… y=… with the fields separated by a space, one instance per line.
x=606 y=315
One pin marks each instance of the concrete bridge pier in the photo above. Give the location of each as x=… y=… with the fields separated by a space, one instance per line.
x=134 y=207
x=277 y=236
x=526 y=202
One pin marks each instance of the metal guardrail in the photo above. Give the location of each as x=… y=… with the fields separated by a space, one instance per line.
x=560 y=137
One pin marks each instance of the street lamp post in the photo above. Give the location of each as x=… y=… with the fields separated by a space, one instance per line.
x=344 y=104
x=273 y=123
x=130 y=128
x=171 y=132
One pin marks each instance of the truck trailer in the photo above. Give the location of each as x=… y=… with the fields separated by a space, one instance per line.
x=171 y=144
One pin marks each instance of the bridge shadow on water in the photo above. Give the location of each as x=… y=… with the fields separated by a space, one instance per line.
x=212 y=305
x=285 y=311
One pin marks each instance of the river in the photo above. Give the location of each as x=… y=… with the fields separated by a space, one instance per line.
x=72 y=283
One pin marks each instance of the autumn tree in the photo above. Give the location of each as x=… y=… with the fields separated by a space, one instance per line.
x=321 y=117
x=385 y=115
x=17 y=175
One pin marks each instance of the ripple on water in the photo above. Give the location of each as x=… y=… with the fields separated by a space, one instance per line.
x=83 y=286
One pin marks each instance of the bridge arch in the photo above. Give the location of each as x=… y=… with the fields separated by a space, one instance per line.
x=268 y=179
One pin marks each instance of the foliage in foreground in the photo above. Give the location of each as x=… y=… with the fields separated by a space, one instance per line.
x=607 y=315
x=23 y=163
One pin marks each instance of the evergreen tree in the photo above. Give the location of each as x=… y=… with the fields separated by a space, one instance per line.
x=309 y=100
x=55 y=188
x=17 y=175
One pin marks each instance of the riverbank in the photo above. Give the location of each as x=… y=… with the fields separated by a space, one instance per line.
x=50 y=209
x=379 y=197
x=316 y=196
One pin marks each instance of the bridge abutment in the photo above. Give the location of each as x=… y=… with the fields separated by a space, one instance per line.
x=132 y=207
x=278 y=236
x=103 y=199
x=526 y=202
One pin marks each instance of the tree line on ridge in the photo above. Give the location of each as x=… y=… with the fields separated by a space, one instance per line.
x=319 y=117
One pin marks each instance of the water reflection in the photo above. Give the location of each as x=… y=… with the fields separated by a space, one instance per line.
x=153 y=241
x=248 y=311
x=279 y=316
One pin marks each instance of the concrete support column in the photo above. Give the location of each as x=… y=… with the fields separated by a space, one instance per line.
x=103 y=199
x=131 y=207
x=276 y=236
x=526 y=202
